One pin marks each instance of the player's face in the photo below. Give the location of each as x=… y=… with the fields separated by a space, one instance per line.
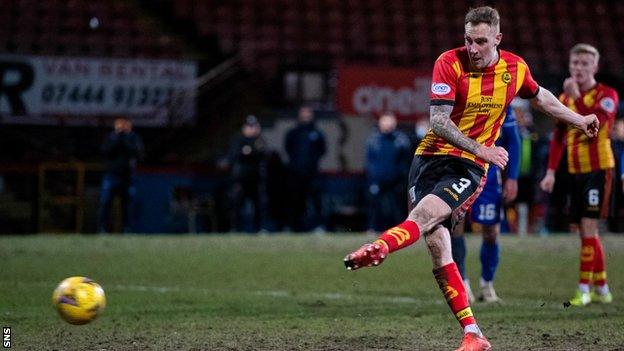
x=583 y=67
x=481 y=41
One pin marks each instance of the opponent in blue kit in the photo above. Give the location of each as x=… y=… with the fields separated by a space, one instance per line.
x=487 y=211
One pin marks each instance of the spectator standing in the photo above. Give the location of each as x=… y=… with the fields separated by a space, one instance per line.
x=247 y=162
x=122 y=150
x=388 y=157
x=305 y=145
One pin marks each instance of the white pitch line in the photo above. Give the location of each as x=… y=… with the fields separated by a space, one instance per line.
x=339 y=296
x=270 y=293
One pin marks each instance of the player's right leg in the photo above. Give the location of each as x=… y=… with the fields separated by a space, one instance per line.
x=403 y=234
x=430 y=211
x=440 y=187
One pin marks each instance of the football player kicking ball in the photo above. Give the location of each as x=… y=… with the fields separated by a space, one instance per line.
x=486 y=211
x=471 y=88
x=591 y=163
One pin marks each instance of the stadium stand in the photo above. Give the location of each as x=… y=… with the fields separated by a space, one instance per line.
x=77 y=27
x=273 y=32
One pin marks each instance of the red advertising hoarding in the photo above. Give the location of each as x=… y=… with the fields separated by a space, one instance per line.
x=371 y=90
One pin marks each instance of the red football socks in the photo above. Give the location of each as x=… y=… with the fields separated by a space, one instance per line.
x=600 y=274
x=588 y=254
x=450 y=282
x=401 y=235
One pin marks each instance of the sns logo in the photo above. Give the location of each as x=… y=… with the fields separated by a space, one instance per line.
x=440 y=88
x=6 y=337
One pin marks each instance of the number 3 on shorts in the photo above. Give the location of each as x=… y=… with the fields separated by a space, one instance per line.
x=463 y=185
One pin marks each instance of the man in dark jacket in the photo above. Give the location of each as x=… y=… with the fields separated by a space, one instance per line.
x=247 y=162
x=388 y=156
x=122 y=150
x=305 y=145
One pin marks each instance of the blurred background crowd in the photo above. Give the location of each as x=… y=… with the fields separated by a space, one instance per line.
x=161 y=116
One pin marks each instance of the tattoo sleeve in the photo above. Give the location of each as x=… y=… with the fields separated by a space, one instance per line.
x=442 y=125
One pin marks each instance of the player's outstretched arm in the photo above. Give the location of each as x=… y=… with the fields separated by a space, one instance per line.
x=548 y=103
x=442 y=125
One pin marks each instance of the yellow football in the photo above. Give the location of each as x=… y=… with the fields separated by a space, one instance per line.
x=79 y=300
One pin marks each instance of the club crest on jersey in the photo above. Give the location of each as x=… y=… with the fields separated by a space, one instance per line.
x=440 y=88
x=607 y=104
x=506 y=77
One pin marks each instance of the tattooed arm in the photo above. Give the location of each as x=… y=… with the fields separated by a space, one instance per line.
x=442 y=125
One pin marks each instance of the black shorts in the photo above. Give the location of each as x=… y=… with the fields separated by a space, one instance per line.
x=591 y=195
x=455 y=180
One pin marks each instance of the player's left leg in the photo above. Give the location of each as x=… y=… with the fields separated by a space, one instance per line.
x=458 y=248
x=450 y=282
x=489 y=256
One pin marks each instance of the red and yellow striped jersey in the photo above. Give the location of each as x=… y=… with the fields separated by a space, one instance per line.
x=584 y=154
x=479 y=98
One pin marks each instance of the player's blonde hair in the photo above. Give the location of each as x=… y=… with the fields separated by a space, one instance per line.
x=483 y=14
x=583 y=48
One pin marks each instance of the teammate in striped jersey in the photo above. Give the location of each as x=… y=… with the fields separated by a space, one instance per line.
x=471 y=88
x=591 y=163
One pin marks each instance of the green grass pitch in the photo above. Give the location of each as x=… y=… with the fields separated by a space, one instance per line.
x=291 y=292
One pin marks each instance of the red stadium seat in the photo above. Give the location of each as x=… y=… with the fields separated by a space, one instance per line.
x=183 y=9
x=264 y=31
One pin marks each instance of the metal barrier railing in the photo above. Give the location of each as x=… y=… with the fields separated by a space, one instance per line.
x=62 y=184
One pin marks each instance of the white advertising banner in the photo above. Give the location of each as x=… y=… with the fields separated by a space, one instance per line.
x=371 y=90
x=85 y=91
